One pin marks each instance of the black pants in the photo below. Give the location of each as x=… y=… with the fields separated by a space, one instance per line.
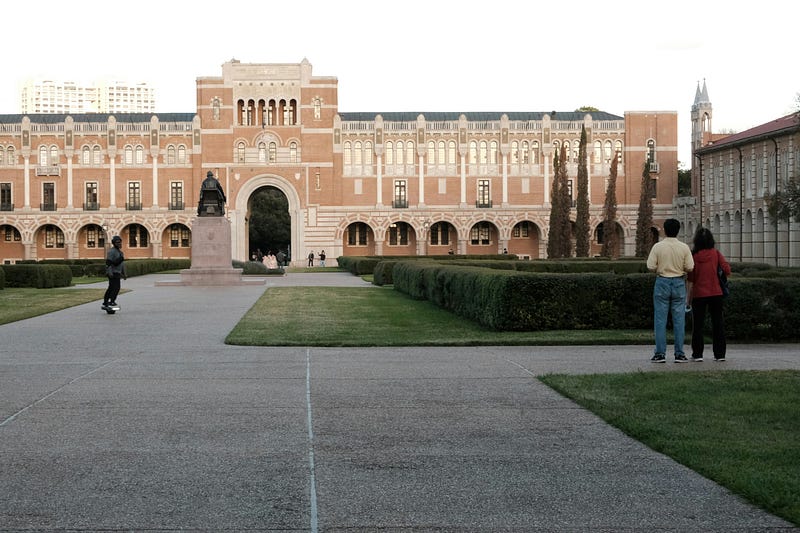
x=714 y=306
x=113 y=290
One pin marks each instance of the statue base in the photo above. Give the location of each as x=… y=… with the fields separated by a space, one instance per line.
x=211 y=256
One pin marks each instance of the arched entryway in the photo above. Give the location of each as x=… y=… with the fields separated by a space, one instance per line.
x=269 y=225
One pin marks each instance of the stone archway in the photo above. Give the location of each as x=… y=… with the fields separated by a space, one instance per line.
x=237 y=210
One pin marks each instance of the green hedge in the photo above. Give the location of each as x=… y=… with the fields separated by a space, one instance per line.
x=363 y=265
x=758 y=309
x=2 y=279
x=37 y=276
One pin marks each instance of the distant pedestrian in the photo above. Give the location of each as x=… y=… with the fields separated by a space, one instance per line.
x=311 y=258
x=281 y=257
x=671 y=259
x=322 y=258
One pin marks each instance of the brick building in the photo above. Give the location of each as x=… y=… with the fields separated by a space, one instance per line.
x=389 y=183
x=732 y=177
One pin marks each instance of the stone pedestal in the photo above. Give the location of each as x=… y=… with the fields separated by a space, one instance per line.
x=211 y=256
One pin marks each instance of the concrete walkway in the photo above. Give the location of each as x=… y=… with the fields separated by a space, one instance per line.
x=147 y=421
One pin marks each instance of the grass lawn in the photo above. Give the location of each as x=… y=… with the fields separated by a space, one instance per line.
x=738 y=428
x=21 y=303
x=370 y=316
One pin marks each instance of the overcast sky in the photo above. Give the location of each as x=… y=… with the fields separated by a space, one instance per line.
x=432 y=55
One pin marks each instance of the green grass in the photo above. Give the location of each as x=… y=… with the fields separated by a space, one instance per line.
x=21 y=303
x=371 y=316
x=738 y=428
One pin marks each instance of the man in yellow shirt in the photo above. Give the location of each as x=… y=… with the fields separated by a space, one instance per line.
x=671 y=260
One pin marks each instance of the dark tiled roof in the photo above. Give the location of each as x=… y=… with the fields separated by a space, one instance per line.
x=408 y=116
x=55 y=118
x=778 y=126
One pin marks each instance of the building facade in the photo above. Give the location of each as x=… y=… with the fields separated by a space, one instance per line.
x=733 y=176
x=392 y=183
x=105 y=96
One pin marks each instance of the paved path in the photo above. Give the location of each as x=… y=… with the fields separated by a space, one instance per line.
x=147 y=421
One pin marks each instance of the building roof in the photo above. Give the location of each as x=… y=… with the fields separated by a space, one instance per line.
x=410 y=116
x=780 y=126
x=56 y=118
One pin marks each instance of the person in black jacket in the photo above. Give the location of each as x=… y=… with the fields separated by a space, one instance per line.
x=115 y=270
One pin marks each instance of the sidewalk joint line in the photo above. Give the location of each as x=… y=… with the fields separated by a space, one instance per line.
x=312 y=475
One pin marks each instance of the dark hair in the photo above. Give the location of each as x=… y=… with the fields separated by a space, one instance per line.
x=703 y=239
x=671 y=227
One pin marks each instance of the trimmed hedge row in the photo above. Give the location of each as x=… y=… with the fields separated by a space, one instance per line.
x=758 y=308
x=36 y=276
x=364 y=265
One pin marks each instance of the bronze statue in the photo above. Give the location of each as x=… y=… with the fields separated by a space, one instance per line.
x=212 y=198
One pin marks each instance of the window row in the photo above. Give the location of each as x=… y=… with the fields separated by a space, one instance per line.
x=280 y=112
x=440 y=153
x=91 y=196
x=268 y=153
x=95 y=236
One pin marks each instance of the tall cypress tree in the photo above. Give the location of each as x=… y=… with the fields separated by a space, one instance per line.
x=644 y=222
x=564 y=225
x=610 y=241
x=582 y=215
x=553 y=250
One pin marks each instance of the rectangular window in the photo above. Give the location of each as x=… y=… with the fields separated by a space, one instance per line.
x=5 y=197
x=398 y=234
x=48 y=197
x=484 y=194
x=178 y=236
x=400 y=198
x=91 y=237
x=91 y=196
x=176 y=195
x=134 y=195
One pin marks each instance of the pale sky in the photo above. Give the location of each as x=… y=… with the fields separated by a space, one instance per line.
x=432 y=55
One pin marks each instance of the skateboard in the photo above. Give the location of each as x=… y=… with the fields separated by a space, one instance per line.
x=109 y=309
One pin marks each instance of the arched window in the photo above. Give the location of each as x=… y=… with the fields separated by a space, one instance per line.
x=137 y=236
x=651 y=150
x=181 y=154
x=484 y=153
x=607 y=152
x=54 y=155
x=97 y=156
x=273 y=152
x=618 y=150
x=262 y=152
x=368 y=153
x=86 y=156
x=43 y=156
x=473 y=153
x=431 y=153
x=451 y=153
x=170 y=155
x=597 y=154
x=53 y=237
x=524 y=156
x=139 y=155
x=128 y=155
x=348 y=154
x=493 y=153
x=11 y=157
x=215 y=105
x=389 y=153
x=240 y=152
x=441 y=155
x=293 y=152
x=515 y=152
x=399 y=153
x=410 y=153
x=357 y=155
x=535 y=152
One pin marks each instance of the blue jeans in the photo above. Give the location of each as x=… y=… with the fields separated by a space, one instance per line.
x=669 y=296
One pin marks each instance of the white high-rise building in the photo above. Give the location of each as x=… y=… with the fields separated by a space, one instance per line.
x=57 y=96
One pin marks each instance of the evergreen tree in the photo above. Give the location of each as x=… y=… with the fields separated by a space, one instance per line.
x=553 y=250
x=610 y=241
x=565 y=201
x=644 y=222
x=582 y=215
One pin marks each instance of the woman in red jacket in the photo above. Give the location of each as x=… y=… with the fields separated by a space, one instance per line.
x=706 y=293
